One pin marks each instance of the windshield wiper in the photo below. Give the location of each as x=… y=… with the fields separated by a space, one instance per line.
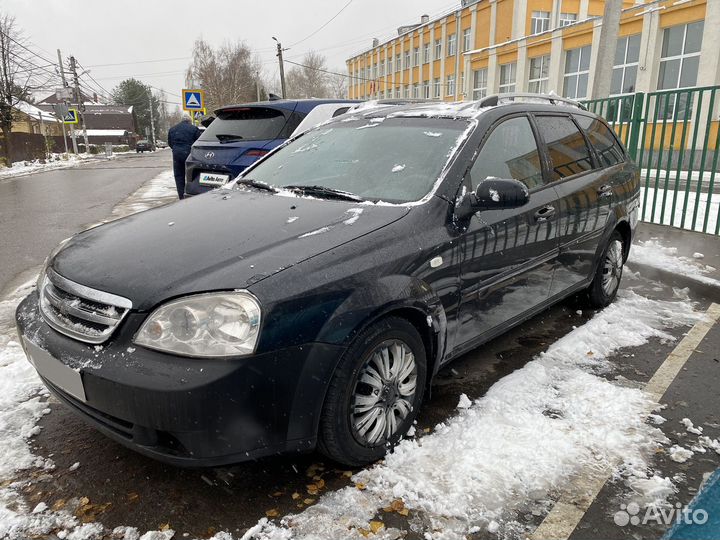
x=256 y=184
x=224 y=137
x=322 y=191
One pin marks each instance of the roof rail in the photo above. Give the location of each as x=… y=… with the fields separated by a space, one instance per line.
x=492 y=101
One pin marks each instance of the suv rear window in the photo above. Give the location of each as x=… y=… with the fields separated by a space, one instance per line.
x=603 y=140
x=245 y=124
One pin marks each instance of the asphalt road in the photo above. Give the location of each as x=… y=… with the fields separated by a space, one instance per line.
x=39 y=210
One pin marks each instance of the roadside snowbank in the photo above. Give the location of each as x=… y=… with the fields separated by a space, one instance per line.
x=57 y=161
x=653 y=253
x=533 y=430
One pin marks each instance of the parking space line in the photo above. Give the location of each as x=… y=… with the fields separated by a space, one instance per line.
x=572 y=505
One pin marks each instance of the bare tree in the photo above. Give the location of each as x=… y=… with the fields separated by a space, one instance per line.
x=19 y=77
x=227 y=74
x=337 y=85
x=310 y=79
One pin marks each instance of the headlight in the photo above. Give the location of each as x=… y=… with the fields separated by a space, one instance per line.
x=43 y=270
x=204 y=325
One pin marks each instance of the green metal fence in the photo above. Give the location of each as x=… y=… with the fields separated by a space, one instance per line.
x=673 y=136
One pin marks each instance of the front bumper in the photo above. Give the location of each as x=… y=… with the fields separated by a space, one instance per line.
x=190 y=412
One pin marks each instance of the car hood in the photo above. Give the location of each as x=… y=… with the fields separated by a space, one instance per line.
x=228 y=239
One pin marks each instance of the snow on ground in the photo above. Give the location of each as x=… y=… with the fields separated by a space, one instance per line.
x=522 y=441
x=57 y=161
x=707 y=203
x=653 y=253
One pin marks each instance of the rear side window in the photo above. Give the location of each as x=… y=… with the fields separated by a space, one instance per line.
x=245 y=124
x=569 y=154
x=510 y=151
x=603 y=140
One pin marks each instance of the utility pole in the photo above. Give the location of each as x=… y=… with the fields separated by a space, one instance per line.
x=606 y=49
x=72 y=128
x=79 y=101
x=152 y=118
x=257 y=84
x=282 y=67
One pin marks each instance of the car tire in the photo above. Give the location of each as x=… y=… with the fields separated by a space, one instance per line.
x=606 y=282
x=369 y=393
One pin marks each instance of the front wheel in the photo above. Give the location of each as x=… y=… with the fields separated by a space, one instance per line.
x=375 y=393
x=605 y=284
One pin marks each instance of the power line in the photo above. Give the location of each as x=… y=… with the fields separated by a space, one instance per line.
x=141 y=62
x=324 y=25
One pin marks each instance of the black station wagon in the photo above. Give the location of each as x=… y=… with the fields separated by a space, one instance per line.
x=332 y=279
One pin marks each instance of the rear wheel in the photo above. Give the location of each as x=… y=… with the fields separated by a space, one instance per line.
x=374 y=394
x=605 y=284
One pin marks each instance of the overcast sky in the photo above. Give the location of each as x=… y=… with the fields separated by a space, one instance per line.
x=136 y=32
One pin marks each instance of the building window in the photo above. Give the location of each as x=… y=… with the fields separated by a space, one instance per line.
x=389 y=65
x=507 y=78
x=624 y=75
x=451 y=85
x=567 y=18
x=438 y=49
x=679 y=62
x=381 y=95
x=407 y=91
x=467 y=45
x=538 y=80
x=577 y=69
x=407 y=60
x=480 y=77
x=452 y=45
x=426 y=89
x=382 y=68
x=374 y=71
x=398 y=62
x=462 y=84
x=540 y=22
x=416 y=56
x=437 y=87
x=426 y=53
x=680 y=56
x=416 y=90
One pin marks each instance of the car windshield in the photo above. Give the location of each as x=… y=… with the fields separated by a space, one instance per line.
x=245 y=124
x=388 y=159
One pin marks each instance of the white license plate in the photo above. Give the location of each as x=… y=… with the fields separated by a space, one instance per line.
x=213 y=179
x=55 y=371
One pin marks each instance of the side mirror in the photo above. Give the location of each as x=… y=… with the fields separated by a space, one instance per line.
x=494 y=194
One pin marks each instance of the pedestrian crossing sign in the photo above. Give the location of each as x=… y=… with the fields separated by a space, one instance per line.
x=193 y=100
x=71 y=117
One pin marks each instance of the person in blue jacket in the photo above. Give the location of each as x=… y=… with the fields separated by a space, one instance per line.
x=180 y=138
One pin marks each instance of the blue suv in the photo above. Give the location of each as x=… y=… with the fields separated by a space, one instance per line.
x=240 y=135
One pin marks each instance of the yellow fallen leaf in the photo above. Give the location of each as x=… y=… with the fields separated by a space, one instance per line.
x=320 y=483
x=403 y=512
x=375 y=526
x=590 y=353
x=277 y=494
x=397 y=505
x=312 y=489
x=308 y=501
x=363 y=532
x=165 y=527
x=83 y=501
x=273 y=512
x=59 y=505
x=295 y=496
x=347 y=474
x=360 y=485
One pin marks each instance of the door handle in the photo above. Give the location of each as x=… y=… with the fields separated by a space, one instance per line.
x=546 y=213
x=605 y=190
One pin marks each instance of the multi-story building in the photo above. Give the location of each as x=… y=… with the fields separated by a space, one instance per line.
x=492 y=46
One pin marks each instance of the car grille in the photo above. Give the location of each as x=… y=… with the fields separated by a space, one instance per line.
x=80 y=312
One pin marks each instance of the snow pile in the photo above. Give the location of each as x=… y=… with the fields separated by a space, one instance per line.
x=653 y=253
x=56 y=161
x=523 y=440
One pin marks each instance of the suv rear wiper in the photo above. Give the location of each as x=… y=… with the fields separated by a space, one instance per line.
x=256 y=184
x=322 y=191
